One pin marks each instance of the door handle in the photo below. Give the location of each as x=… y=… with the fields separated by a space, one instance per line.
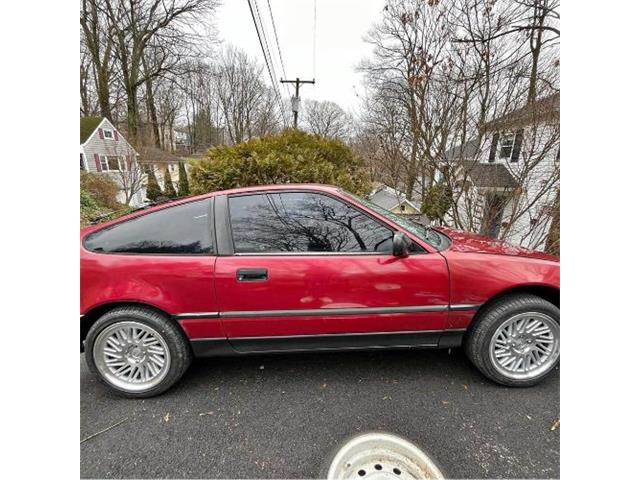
x=251 y=274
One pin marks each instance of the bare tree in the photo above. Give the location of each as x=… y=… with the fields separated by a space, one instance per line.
x=327 y=119
x=149 y=40
x=247 y=105
x=98 y=43
x=441 y=71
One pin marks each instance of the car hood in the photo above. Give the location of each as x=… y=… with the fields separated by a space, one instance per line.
x=474 y=243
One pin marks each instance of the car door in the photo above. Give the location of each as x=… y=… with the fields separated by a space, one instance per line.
x=309 y=270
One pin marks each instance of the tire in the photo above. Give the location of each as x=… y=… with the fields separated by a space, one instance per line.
x=504 y=341
x=137 y=352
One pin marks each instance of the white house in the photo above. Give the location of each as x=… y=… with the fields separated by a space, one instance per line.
x=103 y=149
x=393 y=200
x=507 y=184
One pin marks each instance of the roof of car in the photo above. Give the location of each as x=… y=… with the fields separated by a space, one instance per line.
x=257 y=188
x=284 y=186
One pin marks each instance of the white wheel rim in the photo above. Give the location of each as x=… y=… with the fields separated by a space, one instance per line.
x=525 y=346
x=382 y=456
x=131 y=356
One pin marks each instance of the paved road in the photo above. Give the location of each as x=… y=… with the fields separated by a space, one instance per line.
x=280 y=417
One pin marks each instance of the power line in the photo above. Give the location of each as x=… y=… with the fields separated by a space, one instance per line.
x=315 y=22
x=275 y=32
x=269 y=61
x=267 y=57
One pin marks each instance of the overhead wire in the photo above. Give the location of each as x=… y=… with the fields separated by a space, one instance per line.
x=315 y=24
x=257 y=22
x=275 y=32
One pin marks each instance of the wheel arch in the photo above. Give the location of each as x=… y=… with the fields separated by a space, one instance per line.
x=546 y=292
x=93 y=314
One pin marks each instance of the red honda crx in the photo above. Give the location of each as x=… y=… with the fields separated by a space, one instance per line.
x=294 y=268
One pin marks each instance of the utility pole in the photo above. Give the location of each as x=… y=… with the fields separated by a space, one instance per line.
x=295 y=101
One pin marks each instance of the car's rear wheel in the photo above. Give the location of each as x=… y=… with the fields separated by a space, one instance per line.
x=515 y=340
x=136 y=351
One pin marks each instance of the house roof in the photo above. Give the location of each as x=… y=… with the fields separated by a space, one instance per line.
x=489 y=175
x=468 y=149
x=87 y=127
x=388 y=198
x=546 y=109
x=155 y=155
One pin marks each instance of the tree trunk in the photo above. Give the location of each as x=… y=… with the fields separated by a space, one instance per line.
x=151 y=105
x=102 y=87
x=132 y=113
x=535 y=44
x=552 y=245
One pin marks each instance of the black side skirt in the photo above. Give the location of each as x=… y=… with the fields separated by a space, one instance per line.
x=209 y=347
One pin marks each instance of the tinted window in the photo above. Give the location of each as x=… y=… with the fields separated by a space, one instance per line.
x=303 y=222
x=184 y=229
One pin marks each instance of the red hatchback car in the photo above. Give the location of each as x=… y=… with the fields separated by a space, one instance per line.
x=294 y=268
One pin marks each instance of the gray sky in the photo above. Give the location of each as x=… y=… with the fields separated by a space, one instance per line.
x=339 y=46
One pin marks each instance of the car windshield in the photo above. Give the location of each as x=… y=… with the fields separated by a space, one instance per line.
x=432 y=237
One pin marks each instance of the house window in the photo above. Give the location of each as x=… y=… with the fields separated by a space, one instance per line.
x=108 y=134
x=113 y=163
x=506 y=145
x=82 y=162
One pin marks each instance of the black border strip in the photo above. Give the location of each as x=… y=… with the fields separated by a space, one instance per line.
x=207 y=347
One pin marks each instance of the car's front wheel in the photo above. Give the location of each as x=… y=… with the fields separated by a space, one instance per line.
x=515 y=340
x=136 y=351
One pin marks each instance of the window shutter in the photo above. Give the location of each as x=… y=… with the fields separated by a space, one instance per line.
x=100 y=134
x=115 y=135
x=517 y=145
x=96 y=157
x=494 y=147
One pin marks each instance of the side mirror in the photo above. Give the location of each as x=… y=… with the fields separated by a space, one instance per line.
x=401 y=245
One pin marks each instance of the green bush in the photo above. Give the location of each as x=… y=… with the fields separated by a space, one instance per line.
x=289 y=157
x=98 y=198
x=90 y=208
x=183 y=181
x=153 y=188
x=437 y=201
x=169 y=189
x=101 y=188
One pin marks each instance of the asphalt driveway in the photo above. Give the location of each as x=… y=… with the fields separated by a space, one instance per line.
x=281 y=416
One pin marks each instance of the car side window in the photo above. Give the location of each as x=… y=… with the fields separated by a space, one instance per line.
x=303 y=222
x=184 y=230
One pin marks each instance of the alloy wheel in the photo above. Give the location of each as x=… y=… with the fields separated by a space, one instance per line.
x=131 y=356
x=525 y=346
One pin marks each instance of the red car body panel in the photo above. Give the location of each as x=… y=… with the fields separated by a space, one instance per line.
x=173 y=284
x=330 y=282
x=473 y=243
x=204 y=295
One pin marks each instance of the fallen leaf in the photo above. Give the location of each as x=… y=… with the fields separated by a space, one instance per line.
x=528 y=417
x=556 y=425
x=465 y=387
x=166 y=417
x=444 y=402
x=205 y=413
x=324 y=385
